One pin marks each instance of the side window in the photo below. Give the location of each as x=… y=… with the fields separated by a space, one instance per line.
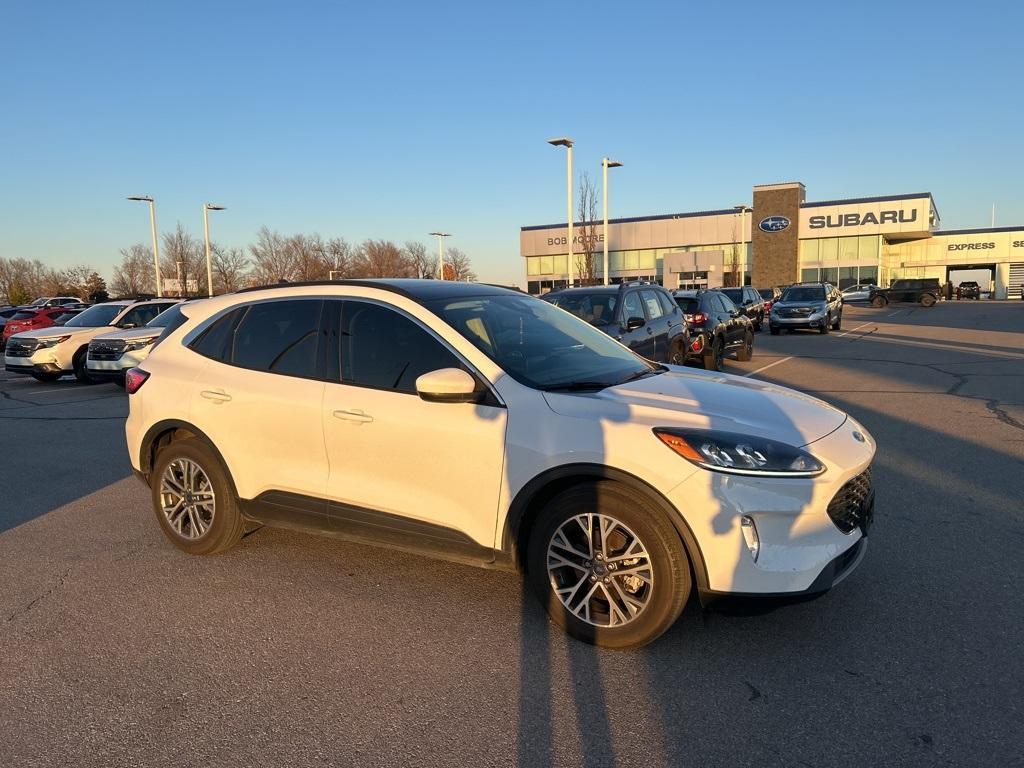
x=279 y=337
x=654 y=308
x=631 y=306
x=666 y=302
x=215 y=341
x=141 y=315
x=726 y=303
x=382 y=348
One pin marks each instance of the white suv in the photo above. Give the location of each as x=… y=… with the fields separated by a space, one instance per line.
x=112 y=354
x=482 y=425
x=49 y=353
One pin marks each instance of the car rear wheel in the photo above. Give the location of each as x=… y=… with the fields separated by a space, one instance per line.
x=607 y=566
x=46 y=378
x=774 y=330
x=713 y=355
x=744 y=353
x=879 y=301
x=194 y=499
x=678 y=354
x=927 y=300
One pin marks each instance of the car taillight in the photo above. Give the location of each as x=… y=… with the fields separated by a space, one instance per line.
x=700 y=318
x=134 y=379
x=767 y=306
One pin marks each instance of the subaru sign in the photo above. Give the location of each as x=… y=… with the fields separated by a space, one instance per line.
x=773 y=224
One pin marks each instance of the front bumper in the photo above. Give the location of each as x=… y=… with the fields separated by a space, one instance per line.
x=115 y=369
x=41 y=361
x=801 y=548
x=812 y=321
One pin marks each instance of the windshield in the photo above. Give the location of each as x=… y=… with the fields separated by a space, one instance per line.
x=38 y=303
x=689 y=305
x=736 y=294
x=766 y=293
x=166 y=317
x=595 y=308
x=540 y=345
x=94 y=317
x=24 y=315
x=804 y=293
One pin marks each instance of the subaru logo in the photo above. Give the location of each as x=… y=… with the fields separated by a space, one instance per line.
x=858 y=436
x=773 y=224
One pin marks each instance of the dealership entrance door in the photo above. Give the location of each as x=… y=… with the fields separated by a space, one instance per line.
x=983 y=274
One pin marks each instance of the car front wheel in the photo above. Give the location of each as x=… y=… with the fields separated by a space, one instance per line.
x=927 y=300
x=713 y=355
x=194 y=500
x=607 y=566
x=746 y=352
x=878 y=302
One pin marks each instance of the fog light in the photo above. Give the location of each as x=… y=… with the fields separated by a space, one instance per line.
x=750 y=536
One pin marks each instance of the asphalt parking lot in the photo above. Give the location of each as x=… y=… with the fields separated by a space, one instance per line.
x=117 y=649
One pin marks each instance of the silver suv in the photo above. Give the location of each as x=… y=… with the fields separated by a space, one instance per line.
x=807 y=305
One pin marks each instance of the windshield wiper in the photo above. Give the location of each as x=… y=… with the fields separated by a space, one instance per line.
x=643 y=374
x=577 y=386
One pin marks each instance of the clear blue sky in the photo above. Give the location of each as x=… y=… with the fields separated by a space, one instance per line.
x=390 y=120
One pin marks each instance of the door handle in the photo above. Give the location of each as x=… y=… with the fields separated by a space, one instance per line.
x=355 y=415
x=215 y=396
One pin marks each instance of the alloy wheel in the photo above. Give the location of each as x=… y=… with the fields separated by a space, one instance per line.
x=187 y=499
x=600 y=570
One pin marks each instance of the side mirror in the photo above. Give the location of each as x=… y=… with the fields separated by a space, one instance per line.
x=734 y=313
x=448 y=385
x=635 y=322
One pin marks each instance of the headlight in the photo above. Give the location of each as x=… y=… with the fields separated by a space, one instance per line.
x=136 y=344
x=53 y=341
x=740 y=454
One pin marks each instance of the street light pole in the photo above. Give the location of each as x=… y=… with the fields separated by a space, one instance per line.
x=207 y=207
x=440 y=250
x=606 y=163
x=566 y=142
x=743 y=211
x=156 y=246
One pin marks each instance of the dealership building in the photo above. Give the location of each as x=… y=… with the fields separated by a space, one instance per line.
x=779 y=239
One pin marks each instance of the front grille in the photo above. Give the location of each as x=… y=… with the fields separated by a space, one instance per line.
x=21 y=347
x=106 y=350
x=852 y=506
x=798 y=312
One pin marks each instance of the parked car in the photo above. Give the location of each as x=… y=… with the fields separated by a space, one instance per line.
x=717 y=327
x=807 y=305
x=48 y=354
x=30 y=319
x=642 y=316
x=112 y=354
x=968 y=289
x=486 y=426
x=56 y=301
x=62 y=318
x=769 y=295
x=861 y=292
x=749 y=302
x=924 y=291
x=6 y=314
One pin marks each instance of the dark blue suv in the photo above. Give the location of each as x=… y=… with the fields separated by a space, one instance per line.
x=643 y=316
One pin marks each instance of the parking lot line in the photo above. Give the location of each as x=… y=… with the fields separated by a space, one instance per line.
x=770 y=365
x=847 y=333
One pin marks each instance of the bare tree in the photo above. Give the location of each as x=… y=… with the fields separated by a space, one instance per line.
x=134 y=275
x=586 y=240
x=457 y=266
x=272 y=259
x=337 y=256
x=382 y=258
x=183 y=260
x=424 y=265
x=230 y=267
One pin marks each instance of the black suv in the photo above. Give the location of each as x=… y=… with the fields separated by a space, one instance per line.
x=749 y=302
x=969 y=289
x=642 y=316
x=717 y=326
x=924 y=291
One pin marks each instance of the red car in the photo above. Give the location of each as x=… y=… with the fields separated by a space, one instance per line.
x=31 y=320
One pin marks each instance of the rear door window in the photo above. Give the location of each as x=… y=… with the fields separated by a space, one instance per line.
x=279 y=337
x=654 y=308
x=631 y=306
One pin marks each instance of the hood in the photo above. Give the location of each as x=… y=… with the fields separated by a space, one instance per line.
x=55 y=330
x=681 y=398
x=815 y=303
x=142 y=332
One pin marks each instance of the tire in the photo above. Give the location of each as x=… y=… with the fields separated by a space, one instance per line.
x=658 y=594
x=46 y=378
x=774 y=330
x=715 y=353
x=81 y=371
x=927 y=300
x=746 y=352
x=678 y=354
x=838 y=324
x=823 y=328
x=209 y=526
x=759 y=323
